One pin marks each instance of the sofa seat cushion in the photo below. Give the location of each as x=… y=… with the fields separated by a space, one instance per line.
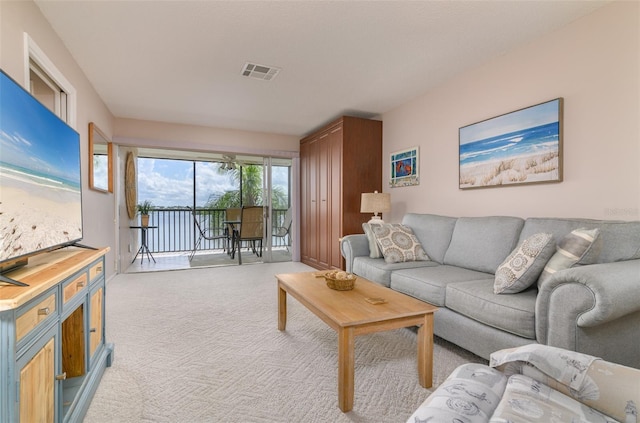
x=377 y=270
x=527 y=400
x=513 y=313
x=470 y=394
x=429 y=283
x=482 y=243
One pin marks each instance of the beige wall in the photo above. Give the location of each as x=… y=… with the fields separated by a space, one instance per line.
x=200 y=138
x=593 y=64
x=18 y=17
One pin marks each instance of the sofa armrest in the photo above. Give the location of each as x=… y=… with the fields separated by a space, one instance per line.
x=588 y=296
x=353 y=246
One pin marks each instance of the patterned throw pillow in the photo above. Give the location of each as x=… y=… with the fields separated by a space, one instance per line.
x=374 y=250
x=571 y=250
x=607 y=387
x=523 y=266
x=398 y=243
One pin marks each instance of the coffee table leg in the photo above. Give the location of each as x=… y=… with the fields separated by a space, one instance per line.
x=282 y=308
x=346 y=347
x=425 y=352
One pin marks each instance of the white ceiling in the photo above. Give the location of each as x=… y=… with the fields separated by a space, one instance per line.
x=181 y=61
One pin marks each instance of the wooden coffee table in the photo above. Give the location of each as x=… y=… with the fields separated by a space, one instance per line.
x=350 y=314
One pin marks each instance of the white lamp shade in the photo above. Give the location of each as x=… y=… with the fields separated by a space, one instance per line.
x=375 y=202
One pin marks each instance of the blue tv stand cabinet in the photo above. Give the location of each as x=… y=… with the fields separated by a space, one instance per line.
x=53 y=350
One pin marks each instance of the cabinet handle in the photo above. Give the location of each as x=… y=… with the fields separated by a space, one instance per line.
x=44 y=311
x=80 y=284
x=99 y=269
x=62 y=376
x=92 y=330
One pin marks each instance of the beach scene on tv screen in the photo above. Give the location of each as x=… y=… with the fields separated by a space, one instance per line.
x=40 y=189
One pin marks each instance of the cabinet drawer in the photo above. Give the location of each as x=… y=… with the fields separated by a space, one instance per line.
x=96 y=271
x=76 y=285
x=35 y=315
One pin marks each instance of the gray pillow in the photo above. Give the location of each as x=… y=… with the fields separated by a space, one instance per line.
x=523 y=266
x=572 y=250
x=398 y=243
x=374 y=250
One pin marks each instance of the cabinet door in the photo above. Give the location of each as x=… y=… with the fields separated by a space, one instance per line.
x=304 y=201
x=335 y=187
x=324 y=176
x=37 y=386
x=311 y=234
x=96 y=334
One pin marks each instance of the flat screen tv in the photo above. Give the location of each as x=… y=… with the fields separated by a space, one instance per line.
x=40 y=188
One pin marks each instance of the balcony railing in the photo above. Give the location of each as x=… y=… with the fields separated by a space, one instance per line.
x=177 y=232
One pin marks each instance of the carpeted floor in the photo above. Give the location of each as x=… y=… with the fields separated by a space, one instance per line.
x=202 y=345
x=223 y=259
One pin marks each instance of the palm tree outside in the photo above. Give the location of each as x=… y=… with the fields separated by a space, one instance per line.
x=249 y=192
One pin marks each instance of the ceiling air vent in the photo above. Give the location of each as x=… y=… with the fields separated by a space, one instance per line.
x=266 y=73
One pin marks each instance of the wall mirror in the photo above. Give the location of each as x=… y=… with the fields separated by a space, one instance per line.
x=100 y=160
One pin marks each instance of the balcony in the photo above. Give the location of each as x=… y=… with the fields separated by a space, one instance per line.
x=175 y=235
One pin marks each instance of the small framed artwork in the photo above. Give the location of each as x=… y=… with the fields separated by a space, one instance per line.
x=404 y=168
x=521 y=147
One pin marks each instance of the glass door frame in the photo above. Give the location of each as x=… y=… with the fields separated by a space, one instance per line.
x=267 y=247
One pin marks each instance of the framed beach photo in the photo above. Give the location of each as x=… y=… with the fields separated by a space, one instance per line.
x=521 y=147
x=404 y=168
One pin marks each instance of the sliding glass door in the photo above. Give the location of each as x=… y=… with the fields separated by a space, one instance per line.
x=278 y=215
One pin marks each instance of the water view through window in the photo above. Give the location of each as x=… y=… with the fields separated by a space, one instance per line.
x=175 y=186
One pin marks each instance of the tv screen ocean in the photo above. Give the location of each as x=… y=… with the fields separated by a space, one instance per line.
x=40 y=179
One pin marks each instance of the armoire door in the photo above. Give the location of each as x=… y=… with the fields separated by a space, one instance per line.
x=304 y=200
x=312 y=202
x=335 y=195
x=324 y=176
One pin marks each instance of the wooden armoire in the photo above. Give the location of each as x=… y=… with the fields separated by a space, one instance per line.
x=337 y=164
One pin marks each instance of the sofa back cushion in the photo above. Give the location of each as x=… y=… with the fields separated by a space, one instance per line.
x=620 y=240
x=434 y=232
x=482 y=243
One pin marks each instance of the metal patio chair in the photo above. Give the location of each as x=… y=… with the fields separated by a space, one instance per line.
x=251 y=230
x=204 y=232
x=284 y=230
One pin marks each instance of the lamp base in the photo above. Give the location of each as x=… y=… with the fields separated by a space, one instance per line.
x=376 y=220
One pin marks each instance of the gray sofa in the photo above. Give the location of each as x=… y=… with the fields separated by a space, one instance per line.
x=593 y=309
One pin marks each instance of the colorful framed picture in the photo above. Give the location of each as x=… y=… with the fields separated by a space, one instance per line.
x=521 y=147
x=404 y=168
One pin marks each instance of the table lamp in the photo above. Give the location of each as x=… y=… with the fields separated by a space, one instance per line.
x=375 y=202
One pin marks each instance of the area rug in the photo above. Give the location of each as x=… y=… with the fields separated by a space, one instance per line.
x=202 y=345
